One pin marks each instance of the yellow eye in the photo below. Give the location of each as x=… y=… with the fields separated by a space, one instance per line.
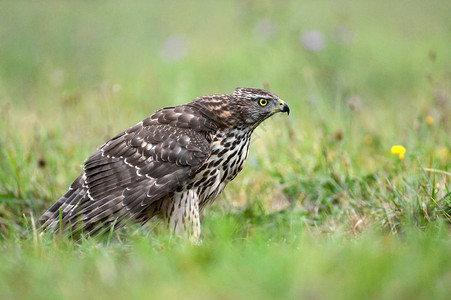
x=263 y=102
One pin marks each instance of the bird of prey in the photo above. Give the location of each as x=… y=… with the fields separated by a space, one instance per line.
x=171 y=165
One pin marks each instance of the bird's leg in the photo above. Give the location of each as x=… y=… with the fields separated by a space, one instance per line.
x=183 y=216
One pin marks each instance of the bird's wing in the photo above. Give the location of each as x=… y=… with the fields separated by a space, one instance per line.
x=141 y=165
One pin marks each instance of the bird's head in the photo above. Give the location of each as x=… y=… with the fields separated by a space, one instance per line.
x=256 y=105
x=245 y=108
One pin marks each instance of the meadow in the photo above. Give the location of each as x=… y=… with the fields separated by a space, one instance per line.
x=322 y=210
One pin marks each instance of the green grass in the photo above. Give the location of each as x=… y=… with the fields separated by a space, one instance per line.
x=322 y=208
x=232 y=263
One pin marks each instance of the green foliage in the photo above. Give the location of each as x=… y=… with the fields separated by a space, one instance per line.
x=231 y=263
x=322 y=208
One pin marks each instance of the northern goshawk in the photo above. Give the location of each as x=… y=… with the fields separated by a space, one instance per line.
x=171 y=165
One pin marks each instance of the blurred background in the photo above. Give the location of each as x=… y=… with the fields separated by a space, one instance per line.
x=359 y=76
x=322 y=210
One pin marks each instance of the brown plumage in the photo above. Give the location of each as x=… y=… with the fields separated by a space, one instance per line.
x=170 y=165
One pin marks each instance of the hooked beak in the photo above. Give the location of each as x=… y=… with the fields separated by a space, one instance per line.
x=284 y=107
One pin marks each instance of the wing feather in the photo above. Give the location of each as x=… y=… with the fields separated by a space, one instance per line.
x=136 y=168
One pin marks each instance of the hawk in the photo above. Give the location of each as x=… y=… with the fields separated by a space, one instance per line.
x=171 y=165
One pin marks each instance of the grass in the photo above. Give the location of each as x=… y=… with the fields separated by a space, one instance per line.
x=322 y=208
x=232 y=263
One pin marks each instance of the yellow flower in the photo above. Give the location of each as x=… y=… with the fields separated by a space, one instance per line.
x=398 y=149
x=429 y=120
x=443 y=153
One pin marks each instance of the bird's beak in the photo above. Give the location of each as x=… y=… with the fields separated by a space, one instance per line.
x=284 y=107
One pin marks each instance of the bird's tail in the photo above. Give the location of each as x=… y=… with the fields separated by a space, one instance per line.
x=77 y=214
x=52 y=219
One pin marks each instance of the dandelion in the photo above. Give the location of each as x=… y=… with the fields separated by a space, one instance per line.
x=398 y=149
x=443 y=153
x=313 y=40
x=429 y=120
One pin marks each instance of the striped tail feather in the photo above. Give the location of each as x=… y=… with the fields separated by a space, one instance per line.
x=65 y=206
x=76 y=213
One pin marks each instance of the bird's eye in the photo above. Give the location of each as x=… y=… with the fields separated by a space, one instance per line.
x=263 y=102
